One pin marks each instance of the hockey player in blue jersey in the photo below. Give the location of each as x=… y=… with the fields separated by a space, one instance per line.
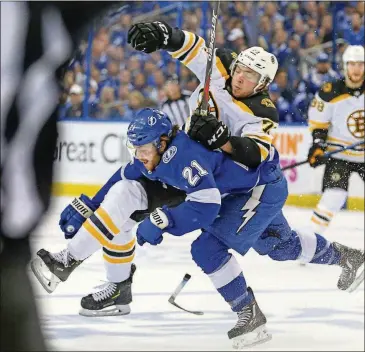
x=235 y=206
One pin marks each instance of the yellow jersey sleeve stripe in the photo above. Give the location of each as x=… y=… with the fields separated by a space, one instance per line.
x=104 y=216
x=340 y=97
x=96 y=234
x=339 y=141
x=263 y=151
x=242 y=106
x=185 y=47
x=318 y=124
x=221 y=68
x=118 y=260
x=347 y=152
x=264 y=138
x=194 y=52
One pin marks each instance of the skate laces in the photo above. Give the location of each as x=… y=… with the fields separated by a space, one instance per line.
x=63 y=257
x=244 y=316
x=106 y=290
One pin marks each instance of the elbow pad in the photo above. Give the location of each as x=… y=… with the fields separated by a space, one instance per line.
x=245 y=151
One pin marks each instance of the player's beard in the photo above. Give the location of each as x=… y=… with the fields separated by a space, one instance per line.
x=354 y=84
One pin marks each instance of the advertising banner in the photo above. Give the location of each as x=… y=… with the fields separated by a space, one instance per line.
x=88 y=153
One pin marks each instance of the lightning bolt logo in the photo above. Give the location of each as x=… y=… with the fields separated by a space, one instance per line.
x=251 y=206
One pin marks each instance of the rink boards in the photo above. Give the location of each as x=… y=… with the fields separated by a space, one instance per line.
x=89 y=152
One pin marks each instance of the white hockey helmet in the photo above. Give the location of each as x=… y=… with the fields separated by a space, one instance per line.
x=353 y=53
x=260 y=61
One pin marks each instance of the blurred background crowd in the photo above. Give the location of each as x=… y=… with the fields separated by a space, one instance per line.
x=109 y=80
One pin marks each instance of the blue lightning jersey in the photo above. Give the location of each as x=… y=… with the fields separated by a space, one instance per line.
x=205 y=176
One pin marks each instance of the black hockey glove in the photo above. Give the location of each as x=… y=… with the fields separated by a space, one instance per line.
x=316 y=152
x=150 y=36
x=207 y=130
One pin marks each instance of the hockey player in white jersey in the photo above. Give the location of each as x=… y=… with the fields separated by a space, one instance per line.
x=248 y=111
x=336 y=119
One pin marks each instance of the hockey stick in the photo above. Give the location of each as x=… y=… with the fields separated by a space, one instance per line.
x=325 y=155
x=177 y=291
x=208 y=72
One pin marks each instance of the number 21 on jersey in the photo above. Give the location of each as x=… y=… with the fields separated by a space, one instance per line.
x=188 y=173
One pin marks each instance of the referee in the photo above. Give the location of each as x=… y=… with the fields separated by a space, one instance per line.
x=37 y=41
x=176 y=106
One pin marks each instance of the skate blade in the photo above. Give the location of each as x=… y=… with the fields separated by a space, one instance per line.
x=256 y=337
x=359 y=279
x=106 y=312
x=50 y=281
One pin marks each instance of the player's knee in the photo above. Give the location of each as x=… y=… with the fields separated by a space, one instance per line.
x=290 y=249
x=273 y=235
x=208 y=252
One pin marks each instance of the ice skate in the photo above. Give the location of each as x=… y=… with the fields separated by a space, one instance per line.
x=352 y=264
x=52 y=268
x=112 y=299
x=250 y=329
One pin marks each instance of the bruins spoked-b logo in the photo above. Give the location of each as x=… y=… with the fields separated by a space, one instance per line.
x=355 y=123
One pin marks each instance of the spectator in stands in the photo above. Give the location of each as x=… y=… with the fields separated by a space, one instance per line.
x=301 y=101
x=75 y=108
x=280 y=47
x=159 y=79
x=300 y=29
x=271 y=10
x=68 y=80
x=95 y=74
x=312 y=24
x=265 y=33
x=176 y=106
x=282 y=105
x=293 y=59
x=112 y=78
x=116 y=53
x=311 y=40
x=93 y=88
x=292 y=13
x=136 y=101
x=125 y=78
x=360 y=8
x=108 y=108
x=281 y=79
x=355 y=35
x=99 y=57
x=134 y=65
x=140 y=84
x=123 y=95
x=326 y=29
x=236 y=40
x=320 y=74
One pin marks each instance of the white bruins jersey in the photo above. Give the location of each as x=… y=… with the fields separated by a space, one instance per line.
x=252 y=117
x=341 y=110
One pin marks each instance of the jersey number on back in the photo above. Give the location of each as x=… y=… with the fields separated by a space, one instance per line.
x=188 y=173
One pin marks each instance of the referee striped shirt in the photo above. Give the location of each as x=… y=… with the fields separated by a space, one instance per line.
x=178 y=110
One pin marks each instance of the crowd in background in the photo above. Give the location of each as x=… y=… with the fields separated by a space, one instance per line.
x=122 y=80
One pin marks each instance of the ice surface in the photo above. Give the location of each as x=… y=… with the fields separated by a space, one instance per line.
x=305 y=310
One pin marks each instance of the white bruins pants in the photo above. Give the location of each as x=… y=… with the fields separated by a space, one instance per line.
x=111 y=228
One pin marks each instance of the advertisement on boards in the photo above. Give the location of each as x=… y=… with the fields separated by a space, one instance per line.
x=88 y=153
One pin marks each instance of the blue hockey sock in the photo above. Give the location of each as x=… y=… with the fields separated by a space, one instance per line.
x=325 y=253
x=235 y=293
